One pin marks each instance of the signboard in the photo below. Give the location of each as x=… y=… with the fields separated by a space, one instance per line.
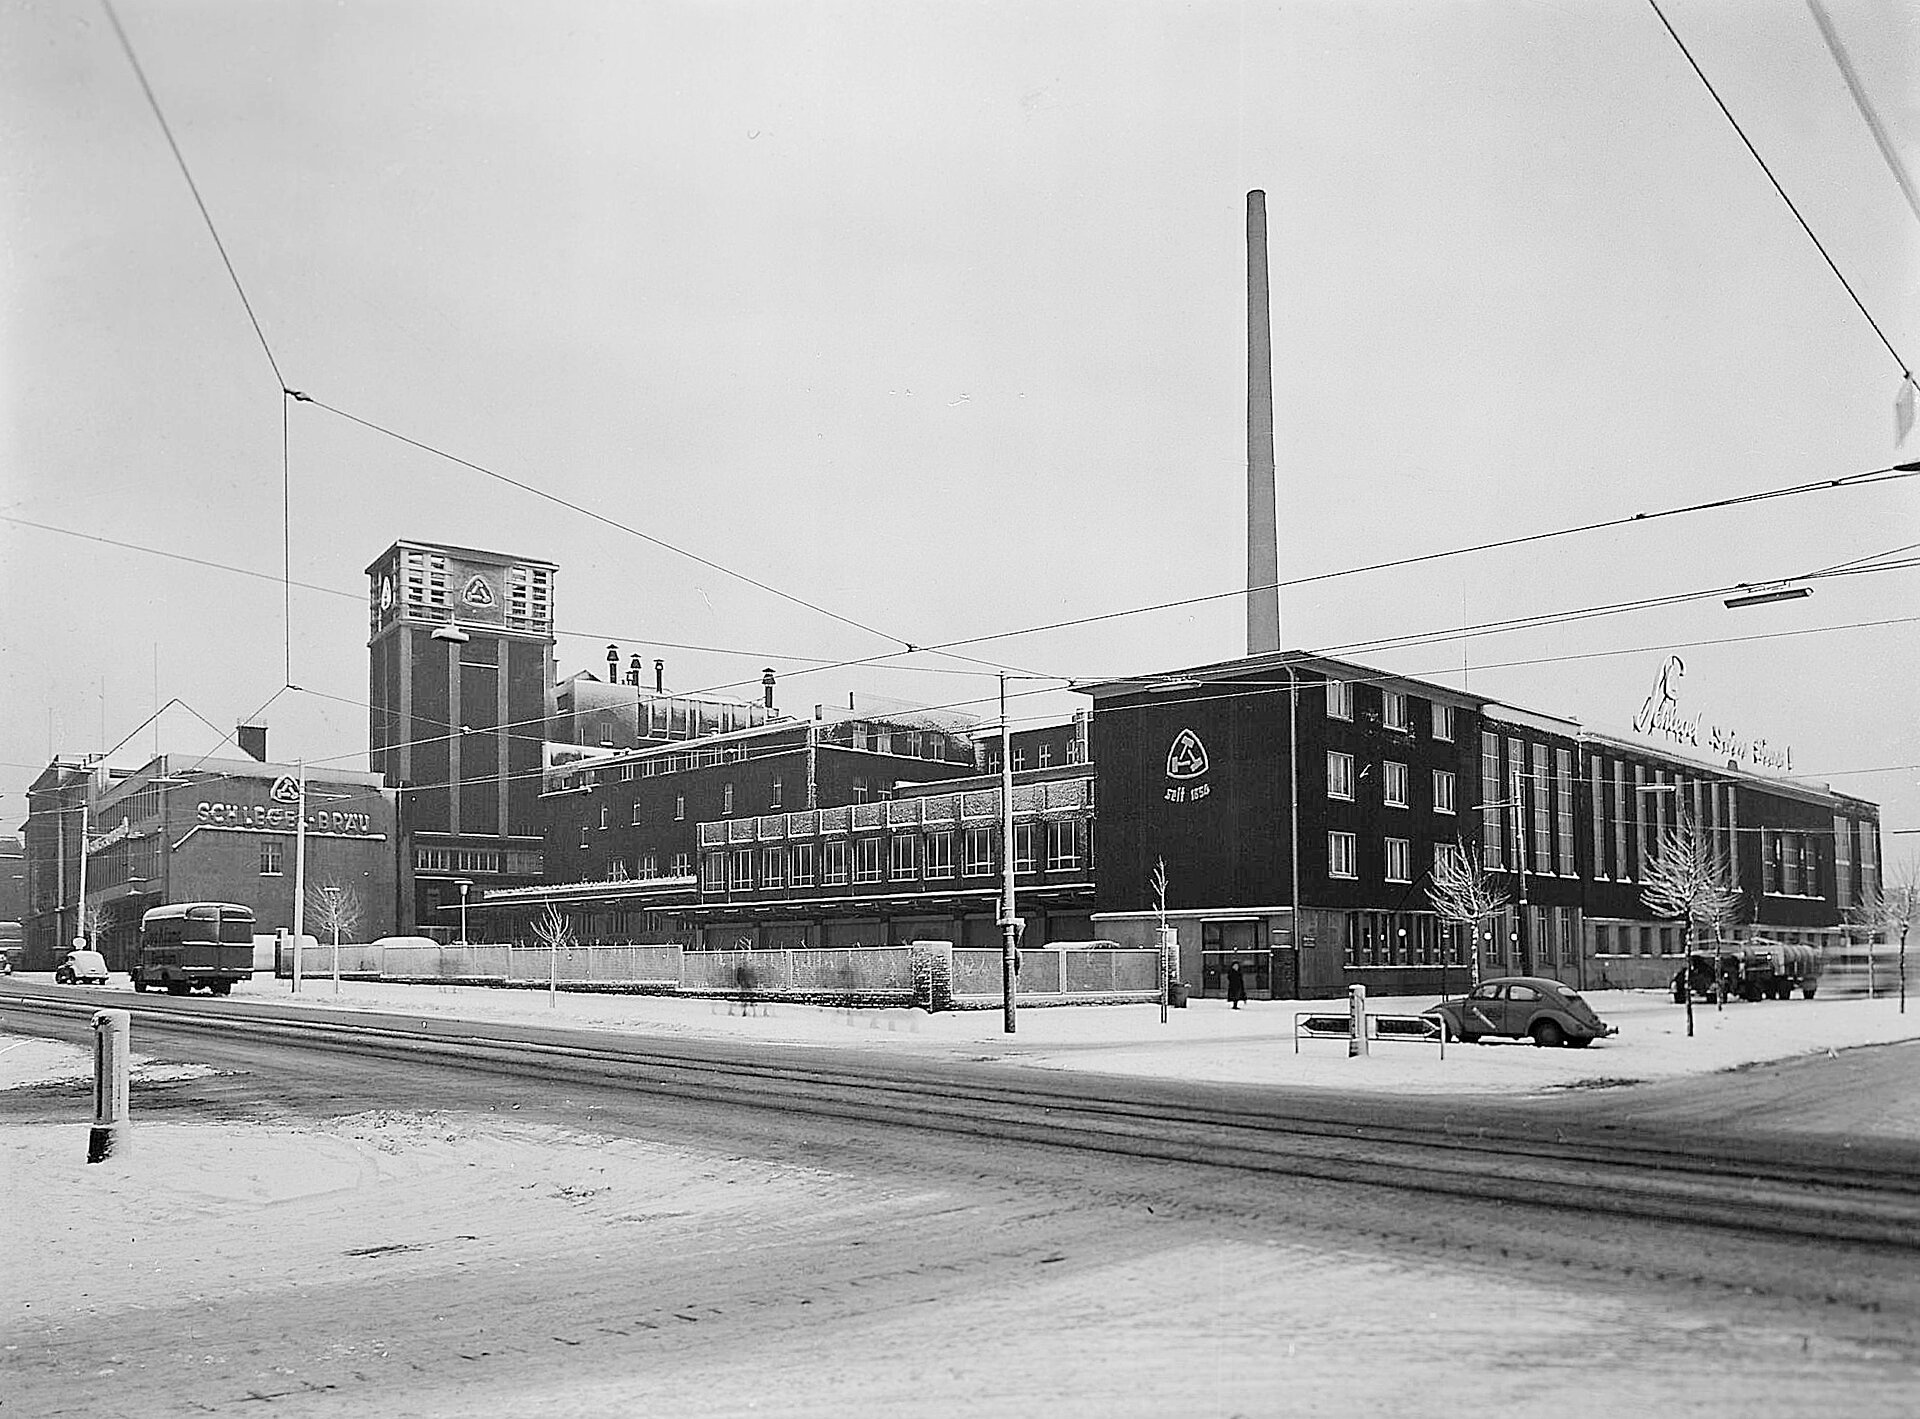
x=1660 y=717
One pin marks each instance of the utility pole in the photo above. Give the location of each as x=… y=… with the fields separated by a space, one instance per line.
x=300 y=876
x=1009 y=923
x=80 y=907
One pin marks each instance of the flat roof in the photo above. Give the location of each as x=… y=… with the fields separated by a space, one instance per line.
x=471 y=554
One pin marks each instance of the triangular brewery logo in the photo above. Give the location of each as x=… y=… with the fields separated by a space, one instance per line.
x=286 y=789
x=1187 y=759
x=478 y=592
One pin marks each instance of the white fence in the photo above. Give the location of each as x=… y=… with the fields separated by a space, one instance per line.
x=1048 y=974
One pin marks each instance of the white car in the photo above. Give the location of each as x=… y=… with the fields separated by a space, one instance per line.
x=81 y=968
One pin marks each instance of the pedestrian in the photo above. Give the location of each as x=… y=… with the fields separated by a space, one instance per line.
x=1236 y=984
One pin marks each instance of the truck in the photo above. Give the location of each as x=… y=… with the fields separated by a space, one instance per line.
x=1757 y=970
x=194 y=945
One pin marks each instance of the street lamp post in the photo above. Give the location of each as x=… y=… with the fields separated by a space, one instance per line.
x=463 y=884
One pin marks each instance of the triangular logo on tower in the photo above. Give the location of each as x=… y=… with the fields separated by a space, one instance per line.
x=478 y=591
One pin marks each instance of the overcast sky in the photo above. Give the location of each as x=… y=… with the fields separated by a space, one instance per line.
x=933 y=315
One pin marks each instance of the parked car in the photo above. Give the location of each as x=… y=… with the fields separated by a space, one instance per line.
x=81 y=968
x=1548 y=1012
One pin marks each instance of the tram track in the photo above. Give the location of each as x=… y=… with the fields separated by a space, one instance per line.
x=1567 y=1162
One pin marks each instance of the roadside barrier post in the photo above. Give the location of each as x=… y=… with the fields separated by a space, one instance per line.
x=1356 y=1020
x=109 y=1133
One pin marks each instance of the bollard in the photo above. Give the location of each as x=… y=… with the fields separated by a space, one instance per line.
x=1356 y=1020
x=109 y=1134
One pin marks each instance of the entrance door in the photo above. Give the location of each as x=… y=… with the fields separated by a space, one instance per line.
x=1286 y=973
x=1225 y=941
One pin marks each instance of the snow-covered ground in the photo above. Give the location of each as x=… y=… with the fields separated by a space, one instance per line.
x=1207 y=1041
x=380 y=1263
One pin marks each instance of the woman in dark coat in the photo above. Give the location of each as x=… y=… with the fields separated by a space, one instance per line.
x=1236 y=984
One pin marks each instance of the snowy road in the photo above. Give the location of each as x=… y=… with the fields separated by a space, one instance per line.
x=344 y=1234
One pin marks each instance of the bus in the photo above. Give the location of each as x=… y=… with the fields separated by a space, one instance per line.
x=189 y=944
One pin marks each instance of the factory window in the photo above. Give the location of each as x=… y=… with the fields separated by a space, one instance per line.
x=1063 y=848
x=833 y=864
x=1339 y=700
x=773 y=867
x=1340 y=854
x=1443 y=722
x=1394 y=784
x=741 y=875
x=270 y=857
x=1442 y=791
x=1023 y=847
x=1339 y=775
x=802 y=865
x=774 y=788
x=726 y=798
x=903 y=858
x=679 y=807
x=1393 y=710
x=979 y=853
x=939 y=856
x=866 y=860
x=1399 y=860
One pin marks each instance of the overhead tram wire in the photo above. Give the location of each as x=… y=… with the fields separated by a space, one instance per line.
x=601 y=518
x=288 y=393
x=1891 y=473
x=1906 y=370
x=266 y=347
x=356 y=596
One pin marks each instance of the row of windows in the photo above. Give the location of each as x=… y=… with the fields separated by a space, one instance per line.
x=1342 y=852
x=1404 y=939
x=1042 y=756
x=648 y=867
x=446 y=859
x=1393 y=783
x=899 y=857
x=1526 y=812
x=1396 y=710
x=776 y=793
x=1421 y=939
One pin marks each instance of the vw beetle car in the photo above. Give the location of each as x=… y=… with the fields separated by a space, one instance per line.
x=82 y=968
x=1548 y=1012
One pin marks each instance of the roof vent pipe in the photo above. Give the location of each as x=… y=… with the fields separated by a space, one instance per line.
x=766 y=685
x=659 y=677
x=633 y=670
x=613 y=665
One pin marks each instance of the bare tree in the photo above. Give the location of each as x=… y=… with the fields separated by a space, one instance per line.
x=1686 y=880
x=1464 y=893
x=552 y=929
x=1157 y=884
x=1889 y=910
x=334 y=906
x=93 y=923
